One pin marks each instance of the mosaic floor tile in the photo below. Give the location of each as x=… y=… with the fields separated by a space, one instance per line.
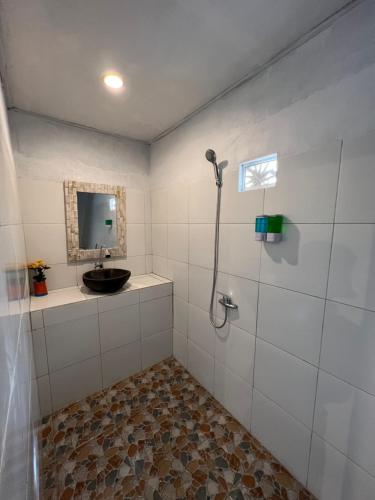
x=157 y=435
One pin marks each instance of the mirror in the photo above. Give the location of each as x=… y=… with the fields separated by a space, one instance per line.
x=95 y=217
x=96 y=220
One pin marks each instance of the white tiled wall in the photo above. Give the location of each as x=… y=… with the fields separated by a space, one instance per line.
x=46 y=154
x=82 y=347
x=45 y=232
x=19 y=409
x=274 y=343
x=296 y=363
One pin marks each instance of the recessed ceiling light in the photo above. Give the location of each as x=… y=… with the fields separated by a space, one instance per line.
x=113 y=80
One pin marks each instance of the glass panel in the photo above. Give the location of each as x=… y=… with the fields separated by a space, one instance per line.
x=259 y=173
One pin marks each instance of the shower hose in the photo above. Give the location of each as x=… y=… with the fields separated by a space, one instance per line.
x=216 y=261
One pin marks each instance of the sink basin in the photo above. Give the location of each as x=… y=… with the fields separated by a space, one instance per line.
x=106 y=280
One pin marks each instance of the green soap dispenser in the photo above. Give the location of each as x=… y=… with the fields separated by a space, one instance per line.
x=275 y=227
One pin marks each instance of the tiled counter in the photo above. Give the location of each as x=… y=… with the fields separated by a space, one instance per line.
x=85 y=341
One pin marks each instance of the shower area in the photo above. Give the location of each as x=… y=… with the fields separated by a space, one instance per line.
x=236 y=360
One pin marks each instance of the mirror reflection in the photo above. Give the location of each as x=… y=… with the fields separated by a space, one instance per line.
x=96 y=220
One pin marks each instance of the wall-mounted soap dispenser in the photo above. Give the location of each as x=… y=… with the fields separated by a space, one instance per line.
x=261 y=227
x=275 y=226
x=269 y=228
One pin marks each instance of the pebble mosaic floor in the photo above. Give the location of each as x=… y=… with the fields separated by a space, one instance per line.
x=157 y=435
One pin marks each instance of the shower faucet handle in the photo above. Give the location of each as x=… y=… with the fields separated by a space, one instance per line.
x=226 y=301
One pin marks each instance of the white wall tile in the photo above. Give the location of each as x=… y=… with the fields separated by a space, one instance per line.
x=239 y=252
x=333 y=477
x=61 y=276
x=355 y=200
x=159 y=206
x=40 y=352
x=135 y=206
x=180 y=315
x=148 y=238
x=202 y=201
x=180 y=347
x=148 y=264
x=201 y=244
x=119 y=327
x=352 y=270
x=118 y=300
x=201 y=366
x=287 y=380
x=160 y=265
x=44 y=393
x=75 y=382
x=47 y=242
x=178 y=242
x=71 y=342
x=200 y=283
x=159 y=240
x=292 y=321
x=156 y=292
x=135 y=264
x=200 y=330
x=41 y=201
x=178 y=273
x=156 y=316
x=157 y=348
x=135 y=239
x=83 y=267
x=234 y=348
x=233 y=393
x=178 y=207
x=345 y=417
x=239 y=207
x=148 y=215
x=120 y=363
x=348 y=349
x=69 y=312
x=36 y=320
x=306 y=185
x=283 y=435
x=300 y=261
x=244 y=293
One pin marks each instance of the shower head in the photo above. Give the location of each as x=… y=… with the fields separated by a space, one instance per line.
x=211 y=157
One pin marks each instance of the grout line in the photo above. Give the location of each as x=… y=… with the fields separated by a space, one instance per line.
x=324 y=310
x=256 y=321
x=284 y=288
x=287 y=352
x=285 y=411
x=324 y=370
x=48 y=364
x=188 y=273
x=100 y=346
x=343 y=454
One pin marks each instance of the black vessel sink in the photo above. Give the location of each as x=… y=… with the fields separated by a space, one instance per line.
x=106 y=280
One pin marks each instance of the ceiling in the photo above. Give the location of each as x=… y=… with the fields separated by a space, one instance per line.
x=175 y=55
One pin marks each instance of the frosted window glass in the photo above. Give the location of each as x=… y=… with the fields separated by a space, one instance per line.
x=258 y=174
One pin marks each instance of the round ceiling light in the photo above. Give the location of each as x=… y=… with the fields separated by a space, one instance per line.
x=113 y=80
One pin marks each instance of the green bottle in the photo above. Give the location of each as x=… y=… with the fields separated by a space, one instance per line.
x=275 y=227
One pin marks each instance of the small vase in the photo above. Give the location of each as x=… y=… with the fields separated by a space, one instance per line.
x=40 y=288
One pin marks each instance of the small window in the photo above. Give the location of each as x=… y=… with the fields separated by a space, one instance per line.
x=258 y=174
